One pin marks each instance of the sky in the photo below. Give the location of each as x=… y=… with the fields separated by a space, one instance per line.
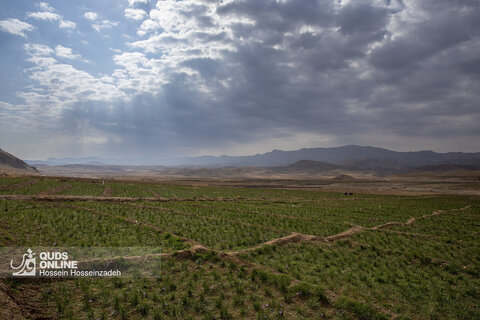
x=146 y=78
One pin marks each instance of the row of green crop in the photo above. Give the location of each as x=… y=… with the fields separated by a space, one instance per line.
x=451 y=226
x=312 y=217
x=31 y=224
x=415 y=278
x=93 y=188
x=10 y=181
x=150 y=189
x=321 y=226
x=215 y=233
x=193 y=289
x=39 y=186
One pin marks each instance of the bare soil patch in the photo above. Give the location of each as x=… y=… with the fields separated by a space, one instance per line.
x=386 y=225
x=9 y=309
x=294 y=237
x=346 y=234
x=107 y=192
x=24 y=303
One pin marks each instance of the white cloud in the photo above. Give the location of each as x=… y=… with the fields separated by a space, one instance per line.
x=132 y=2
x=146 y=27
x=33 y=49
x=135 y=14
x=64 y=52
x=15 y=26
x=91 y=15
x=44 y=15
x=168 y=16
x=56 y=88
x=105 y=24
x=48 y=14
x=178 y=40
x=139 y=73
x=59 y=84
x=65 y=24
x=99 y=25
x=40 y=54
x=45 y=6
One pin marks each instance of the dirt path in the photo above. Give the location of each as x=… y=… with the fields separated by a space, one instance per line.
x=293 y=238
x=435 y=213
x=107 y=198
x=53 y=191
x=410 y=221
x=297 y=237
x=180 y=254
x=155 y=194
x=107 y=192
x=346 y=234
x=20 y=185
x=386 y=225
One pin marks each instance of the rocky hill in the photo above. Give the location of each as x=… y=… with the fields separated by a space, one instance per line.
x=10 y=163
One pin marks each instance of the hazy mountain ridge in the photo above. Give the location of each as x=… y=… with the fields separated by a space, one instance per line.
x=380 y=160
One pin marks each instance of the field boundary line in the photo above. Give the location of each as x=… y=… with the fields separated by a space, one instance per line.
x=433 y=214
x=298 y=237
x=181 y=254
x=294 y=237
x=59 y=198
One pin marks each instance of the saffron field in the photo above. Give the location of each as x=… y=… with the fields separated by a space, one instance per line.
x=246 y=253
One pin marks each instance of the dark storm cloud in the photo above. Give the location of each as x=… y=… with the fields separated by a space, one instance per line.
x=366 y=68
x=443 y=30
x=361 y=17
x=415 y=74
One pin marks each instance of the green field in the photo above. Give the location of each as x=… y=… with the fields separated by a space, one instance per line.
x=389 y=266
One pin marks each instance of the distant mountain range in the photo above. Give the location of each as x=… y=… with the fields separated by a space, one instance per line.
x=379 y=160
x=10 y=162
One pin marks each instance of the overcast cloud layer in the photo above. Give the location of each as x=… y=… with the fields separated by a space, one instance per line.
x=237 y=77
